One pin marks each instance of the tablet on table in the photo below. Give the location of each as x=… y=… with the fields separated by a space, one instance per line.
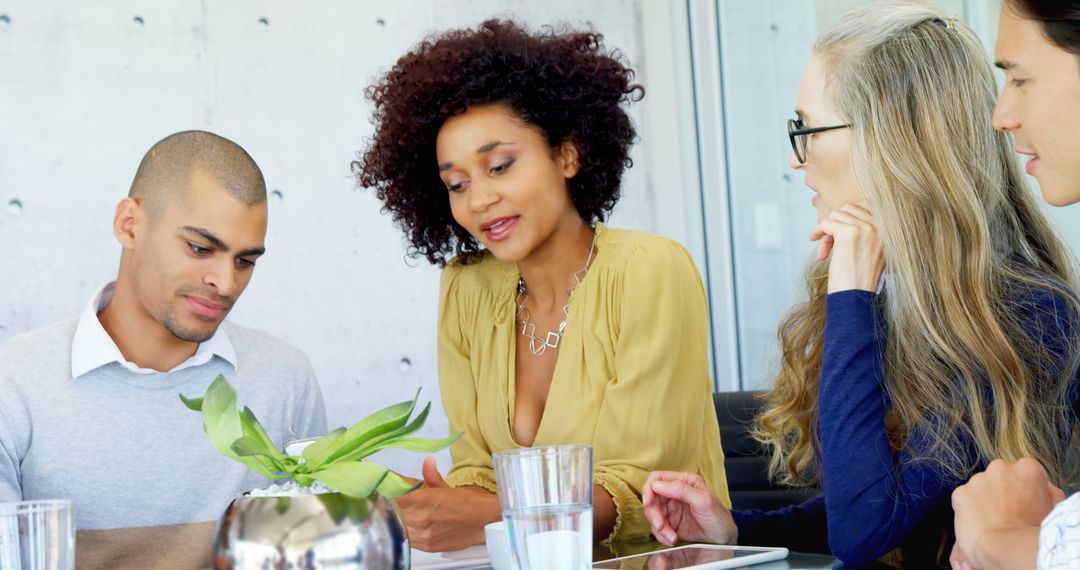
x=695 y=557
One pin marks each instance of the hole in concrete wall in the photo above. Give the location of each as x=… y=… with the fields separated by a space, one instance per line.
x=774 y=28
x=138 y=20
x=15 y=207
x=4 y=19
x=277 y=195
x=380 y=22
x=264 y=21
x=406 y=364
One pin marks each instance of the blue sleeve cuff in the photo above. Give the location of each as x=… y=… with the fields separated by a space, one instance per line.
x=799 y=527
x=850 y=315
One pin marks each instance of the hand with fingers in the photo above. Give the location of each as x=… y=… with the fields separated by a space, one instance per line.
x=680 y=506
x=998 y=514
x=441 y=518
x=849 y=238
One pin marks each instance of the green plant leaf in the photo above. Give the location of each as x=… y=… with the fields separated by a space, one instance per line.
x=385 y=420
x=394 y=485
x=319 y=450
x=355 y=479
x=220 y=418
x=193 y=404
x=248 y=449
x=335 y=505
x=253 y=429
x=376 y=443
x=421 y=444
x=248 y=446
x=290 y=463
x=340 y=507
x=334 y=458
x=222 y=423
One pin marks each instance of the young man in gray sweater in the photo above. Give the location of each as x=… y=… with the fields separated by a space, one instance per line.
x=89 y=408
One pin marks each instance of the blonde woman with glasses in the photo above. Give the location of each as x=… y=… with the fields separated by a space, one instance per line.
x=939 y=330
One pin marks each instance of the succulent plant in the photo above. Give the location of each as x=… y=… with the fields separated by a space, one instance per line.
x=335 y=459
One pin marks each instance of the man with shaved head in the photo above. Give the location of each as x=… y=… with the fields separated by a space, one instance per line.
x=89 y=408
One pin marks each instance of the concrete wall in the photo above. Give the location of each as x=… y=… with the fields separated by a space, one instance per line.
x=86 y=88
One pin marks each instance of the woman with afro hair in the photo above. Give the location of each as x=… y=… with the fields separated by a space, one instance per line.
x=499 y=152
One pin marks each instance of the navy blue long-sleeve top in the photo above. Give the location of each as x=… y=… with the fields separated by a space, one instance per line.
x=878 y=499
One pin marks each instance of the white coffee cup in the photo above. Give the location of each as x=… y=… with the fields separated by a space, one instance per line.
x=498 y=546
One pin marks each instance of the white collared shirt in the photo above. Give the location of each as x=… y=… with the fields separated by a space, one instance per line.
x=92 y=347
x=1059 y=536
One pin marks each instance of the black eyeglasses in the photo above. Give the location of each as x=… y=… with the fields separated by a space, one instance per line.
x=799 y=135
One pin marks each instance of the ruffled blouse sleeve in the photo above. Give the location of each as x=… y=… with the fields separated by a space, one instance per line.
x=658 y=408
x=470 y=453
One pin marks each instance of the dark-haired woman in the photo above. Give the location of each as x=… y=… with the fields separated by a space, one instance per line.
x=1011 y=516
x=504 y=149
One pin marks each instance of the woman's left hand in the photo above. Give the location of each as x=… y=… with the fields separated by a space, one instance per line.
x=441 y=518
x=680 y=506
x=850 y=236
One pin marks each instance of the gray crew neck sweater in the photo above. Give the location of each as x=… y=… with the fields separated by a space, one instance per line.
x=122 y=446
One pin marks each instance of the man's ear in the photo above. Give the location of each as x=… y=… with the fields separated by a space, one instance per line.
x=128 y=221
x=568 y=156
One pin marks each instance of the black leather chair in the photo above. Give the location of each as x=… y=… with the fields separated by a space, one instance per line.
x=746 y=464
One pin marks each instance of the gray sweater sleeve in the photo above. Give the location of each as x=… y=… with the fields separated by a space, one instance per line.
x=14 y=440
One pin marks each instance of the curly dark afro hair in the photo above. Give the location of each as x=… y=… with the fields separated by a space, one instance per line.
x=564 y=83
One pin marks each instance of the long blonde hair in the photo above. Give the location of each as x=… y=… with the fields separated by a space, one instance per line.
x=964 y=243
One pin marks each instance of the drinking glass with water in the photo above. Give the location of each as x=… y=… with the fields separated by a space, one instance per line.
x=37 y=535
x=546 y=497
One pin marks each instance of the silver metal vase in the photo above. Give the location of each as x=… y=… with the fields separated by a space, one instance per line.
x=311 y=532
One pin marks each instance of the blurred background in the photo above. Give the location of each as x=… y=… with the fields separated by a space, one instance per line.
x=87 y=88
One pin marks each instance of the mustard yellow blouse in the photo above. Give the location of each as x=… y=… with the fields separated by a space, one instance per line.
x=632 y=376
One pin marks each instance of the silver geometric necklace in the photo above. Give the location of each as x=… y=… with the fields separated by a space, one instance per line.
x=539 y=344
